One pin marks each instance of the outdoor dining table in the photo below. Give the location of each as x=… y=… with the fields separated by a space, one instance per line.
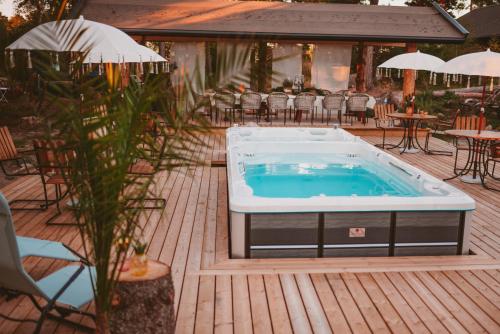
x=411 y=122
x=476 y=159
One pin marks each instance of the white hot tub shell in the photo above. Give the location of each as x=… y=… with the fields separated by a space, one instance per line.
x=435 y=223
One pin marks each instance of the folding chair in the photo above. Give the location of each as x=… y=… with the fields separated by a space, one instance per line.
x=3 y=94
x=64 y=291
x=52 y=159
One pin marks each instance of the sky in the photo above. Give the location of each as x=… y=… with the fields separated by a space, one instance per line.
x=6 y=6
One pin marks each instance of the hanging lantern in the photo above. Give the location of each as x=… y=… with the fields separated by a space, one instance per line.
x=56 y=66
x=151 y=68
x=141 y=68
x=448 y=79
x=12 y=62
x=399 y=73
x=430 y=78
x=30 y=65
x=468 y=81
x=491 y=84
x=156 y=68
x=99 y=69
x=434 y=79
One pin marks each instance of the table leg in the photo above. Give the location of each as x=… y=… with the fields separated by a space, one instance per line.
x=476 y=159
x=426 y=150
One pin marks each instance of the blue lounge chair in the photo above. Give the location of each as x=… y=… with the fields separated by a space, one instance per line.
x=64 y=291
x=45 y=248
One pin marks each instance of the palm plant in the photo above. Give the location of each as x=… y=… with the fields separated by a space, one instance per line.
x=107 y=129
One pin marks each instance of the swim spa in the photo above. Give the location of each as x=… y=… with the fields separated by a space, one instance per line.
x=317 y=192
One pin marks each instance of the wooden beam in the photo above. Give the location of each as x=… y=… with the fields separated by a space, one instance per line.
x=409 y=75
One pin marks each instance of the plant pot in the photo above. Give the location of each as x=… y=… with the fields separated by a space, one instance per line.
x=139 y=265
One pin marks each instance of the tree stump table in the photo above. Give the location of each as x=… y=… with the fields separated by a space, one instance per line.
x=144 y=304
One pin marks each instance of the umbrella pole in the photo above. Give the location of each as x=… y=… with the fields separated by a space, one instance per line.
x=481 y=112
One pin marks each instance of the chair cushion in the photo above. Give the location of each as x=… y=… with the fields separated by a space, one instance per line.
x=80 y=291
x=44 y=248
x=142 y=167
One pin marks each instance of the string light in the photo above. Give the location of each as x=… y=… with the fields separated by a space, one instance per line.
x=30 y=65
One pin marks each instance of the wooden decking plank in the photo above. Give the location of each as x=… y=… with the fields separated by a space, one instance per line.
x=416 y=301
x=205 y=309
x=242 y=311
x=331 y=307
x=347 y=304
x=296 y=310
x=467 y=304
x=317 y=318
x=223 y=304
x=405 y=311
x=381 y=302
x=434 y=304
x=277 y=305
x=261 y=319
x=470 y=291
x=365 y=305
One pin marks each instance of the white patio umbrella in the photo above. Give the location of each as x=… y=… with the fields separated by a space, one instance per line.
x=104 y=42
x=139 y=54
x=413 y=61
x=485 y=64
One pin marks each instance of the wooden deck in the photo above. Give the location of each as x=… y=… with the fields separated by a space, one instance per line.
x=361 y=295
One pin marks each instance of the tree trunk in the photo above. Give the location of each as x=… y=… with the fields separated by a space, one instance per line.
x=360 y=69
x=102 y=322
x=368 y=60
x=409 y=75
x=144 y=304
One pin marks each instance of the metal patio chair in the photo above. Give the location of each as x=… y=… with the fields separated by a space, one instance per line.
x=53 y=159
x=10 y=153
x=459 y=122
x=332 y=103
x=383 y=121
x=250 y=104
x=304 y=104
x=64 y=291
x=356 y=106
x=224 y=103
x=277 y=102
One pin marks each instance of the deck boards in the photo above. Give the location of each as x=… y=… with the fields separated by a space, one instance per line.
x=217 y=295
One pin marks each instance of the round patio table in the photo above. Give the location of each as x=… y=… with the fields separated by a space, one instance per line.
x=409 y=143
x=478 y=145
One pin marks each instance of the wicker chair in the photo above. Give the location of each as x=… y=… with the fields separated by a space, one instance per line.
x=204 y=107
x=277 y=102
x=383 y=121
x=224 y=102
x=333 y=102
x=53 y=160
x=356 y=106
x=492 y=159
x=250 y=103
x=303 y=103
x=459 y=122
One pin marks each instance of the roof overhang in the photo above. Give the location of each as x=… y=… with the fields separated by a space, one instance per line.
x=277 y=21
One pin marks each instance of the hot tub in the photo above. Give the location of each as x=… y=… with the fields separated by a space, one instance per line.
x=317 y=192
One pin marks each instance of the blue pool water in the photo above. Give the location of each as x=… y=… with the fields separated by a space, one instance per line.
x=305 y=177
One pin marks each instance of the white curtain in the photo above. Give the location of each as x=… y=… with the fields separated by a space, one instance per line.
x=238 y=67
x=190 y=59
x=331 y=66
x=287 y=62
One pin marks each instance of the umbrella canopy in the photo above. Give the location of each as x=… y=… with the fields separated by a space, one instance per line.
x=414 y=61
x=104 y=42
x=486 y=63
x=138 y=55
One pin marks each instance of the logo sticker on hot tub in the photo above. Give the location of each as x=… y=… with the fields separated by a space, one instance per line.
x=357 y=232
